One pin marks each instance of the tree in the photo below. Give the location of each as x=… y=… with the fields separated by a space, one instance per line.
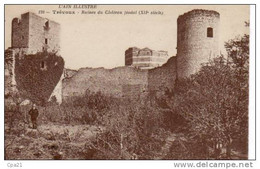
x=130 y=131
x=214 y=101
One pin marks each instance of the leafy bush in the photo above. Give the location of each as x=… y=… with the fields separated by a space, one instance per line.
x=214 y=102
x=130 y=131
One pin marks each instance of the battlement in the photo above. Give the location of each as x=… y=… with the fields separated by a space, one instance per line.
x=16 y=21
x=35 y=33
x=197 y=13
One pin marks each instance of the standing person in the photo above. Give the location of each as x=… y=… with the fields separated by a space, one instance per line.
x=34 y=114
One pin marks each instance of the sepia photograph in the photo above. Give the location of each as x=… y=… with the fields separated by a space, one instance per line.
x=127 y=82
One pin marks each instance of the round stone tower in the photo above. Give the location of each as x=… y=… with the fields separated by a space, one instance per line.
x=197 y=40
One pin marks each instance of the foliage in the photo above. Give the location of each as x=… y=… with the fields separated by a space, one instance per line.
x=37 y=75
x=127 y=129
x=214 y=101
x=86 y=109
x=208 y=110
x=131 y=131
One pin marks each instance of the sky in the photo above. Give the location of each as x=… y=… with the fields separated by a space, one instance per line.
x=92 y=40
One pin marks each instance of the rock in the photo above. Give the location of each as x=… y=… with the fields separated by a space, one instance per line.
x=21 y=147
x=25 y=102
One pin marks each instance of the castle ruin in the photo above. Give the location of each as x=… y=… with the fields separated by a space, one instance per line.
x=34 y=39
x=145 y=72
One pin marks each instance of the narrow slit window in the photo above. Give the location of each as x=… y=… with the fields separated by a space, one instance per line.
x=42 y=64
x=46 y=41
x=210 y=32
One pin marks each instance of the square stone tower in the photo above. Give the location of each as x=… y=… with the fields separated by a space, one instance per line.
x=35 y=34
x=145 y=58
x=35 y=46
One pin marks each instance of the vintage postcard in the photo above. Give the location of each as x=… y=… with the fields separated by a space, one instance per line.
x=127 y=82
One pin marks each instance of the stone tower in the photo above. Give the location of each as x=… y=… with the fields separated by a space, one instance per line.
x=35 y=34
x=145 y=58
x=33 y=65
x=197 y=40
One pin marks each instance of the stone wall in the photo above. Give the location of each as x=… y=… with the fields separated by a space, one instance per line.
x=117 y=82
x=20 y=32
x=123 y=82
x=194 y=47
x=162 y=79
x=9 y=68
x=68 y=73
x=9 y=72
